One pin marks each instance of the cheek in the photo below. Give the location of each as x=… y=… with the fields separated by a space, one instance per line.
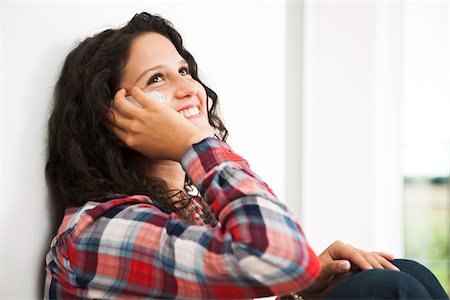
x=205 y=105
x=203 y=98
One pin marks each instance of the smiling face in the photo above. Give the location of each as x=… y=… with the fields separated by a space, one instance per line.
x=154 y=64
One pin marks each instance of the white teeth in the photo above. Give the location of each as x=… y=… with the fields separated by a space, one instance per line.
x=192 y=111
x=189 y=112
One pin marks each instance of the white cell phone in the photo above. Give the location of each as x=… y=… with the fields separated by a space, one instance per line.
x=155 y=95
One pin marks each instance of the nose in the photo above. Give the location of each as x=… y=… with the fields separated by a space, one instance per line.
x=185 y=88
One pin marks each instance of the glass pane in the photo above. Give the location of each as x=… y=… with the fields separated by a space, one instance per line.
x=427 y=224
x=426 y=135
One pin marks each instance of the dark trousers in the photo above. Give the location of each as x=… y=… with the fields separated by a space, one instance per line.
x=414 y=281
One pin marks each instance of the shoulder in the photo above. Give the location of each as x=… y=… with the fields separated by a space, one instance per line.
x=98 y=214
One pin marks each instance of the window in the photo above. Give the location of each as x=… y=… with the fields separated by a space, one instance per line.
x=426 y=134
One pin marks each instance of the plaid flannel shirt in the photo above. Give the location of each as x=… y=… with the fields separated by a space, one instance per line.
x=129 y=248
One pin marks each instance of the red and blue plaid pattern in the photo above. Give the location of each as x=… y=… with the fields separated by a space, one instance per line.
x=128 y=248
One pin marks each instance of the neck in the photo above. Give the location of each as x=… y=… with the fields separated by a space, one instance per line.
x=168 y=170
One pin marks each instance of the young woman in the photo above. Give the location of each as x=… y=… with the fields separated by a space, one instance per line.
x=151 y=201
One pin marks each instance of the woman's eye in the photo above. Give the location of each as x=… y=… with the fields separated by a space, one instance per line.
x=155 y=78
x=184 y=71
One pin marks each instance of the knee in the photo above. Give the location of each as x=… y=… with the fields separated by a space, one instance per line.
x=413 y=268
x=399 y=285
x=380 y=284
x=404 y=263
x=423 y=275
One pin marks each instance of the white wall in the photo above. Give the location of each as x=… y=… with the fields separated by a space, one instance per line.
x=350 y=166
x=239 y=48
x=426 y=65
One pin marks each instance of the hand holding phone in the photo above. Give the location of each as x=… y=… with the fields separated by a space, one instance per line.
x=156 y=131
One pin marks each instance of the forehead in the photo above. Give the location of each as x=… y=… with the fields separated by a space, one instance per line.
x=149 y=50
x=152 y=45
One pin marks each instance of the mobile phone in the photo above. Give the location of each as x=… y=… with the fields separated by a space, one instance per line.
x=155 y=95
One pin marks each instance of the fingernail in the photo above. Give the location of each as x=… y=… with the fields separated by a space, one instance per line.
x=343 y=265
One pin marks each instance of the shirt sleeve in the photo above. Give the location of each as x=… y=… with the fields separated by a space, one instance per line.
x=136 y=250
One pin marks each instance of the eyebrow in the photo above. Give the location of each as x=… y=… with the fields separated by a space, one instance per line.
x=181 y=62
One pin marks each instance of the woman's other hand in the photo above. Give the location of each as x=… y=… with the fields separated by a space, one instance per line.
x=340 y=260
x=155 y=130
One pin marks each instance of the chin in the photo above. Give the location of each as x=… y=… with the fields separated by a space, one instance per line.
x=203 y=125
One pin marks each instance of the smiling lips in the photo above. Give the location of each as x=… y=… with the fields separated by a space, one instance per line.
x=190 y=112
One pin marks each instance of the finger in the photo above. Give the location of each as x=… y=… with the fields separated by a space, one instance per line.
x=122 y=105
x=111 y=114
x=333 y=268
x=117 y=119
x=120 y=133
x=142 y=98
x=386 y=255
x=339 y=266
x=353 y=255
x=386 y=264
x=369 y=257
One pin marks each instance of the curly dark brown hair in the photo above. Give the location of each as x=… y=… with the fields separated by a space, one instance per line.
x=84 y=161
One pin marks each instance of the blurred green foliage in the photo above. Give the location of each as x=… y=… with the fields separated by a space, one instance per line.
x=427 y=224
